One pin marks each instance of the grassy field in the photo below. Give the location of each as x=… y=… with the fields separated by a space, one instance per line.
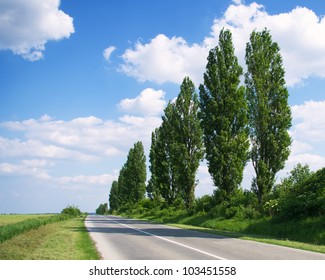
x=12 y=219
x=62 y=240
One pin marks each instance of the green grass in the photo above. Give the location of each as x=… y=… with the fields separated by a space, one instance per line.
x=11 y=219
x=64 y=240
x=12 y=229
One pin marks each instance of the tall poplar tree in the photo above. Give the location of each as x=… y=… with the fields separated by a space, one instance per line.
x=223 y=116
x=114 y=200
x=136 y=174
x=187 y=146
x=132 y=177
x=269 y=112
x=177 y=148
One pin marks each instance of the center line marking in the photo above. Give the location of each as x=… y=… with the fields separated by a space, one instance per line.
x=168 y=240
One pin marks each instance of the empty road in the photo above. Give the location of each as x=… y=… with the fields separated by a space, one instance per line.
x=118 y=238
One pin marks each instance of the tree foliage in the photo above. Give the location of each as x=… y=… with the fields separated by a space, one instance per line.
x=71 y=210
x=102 y=209
x=269 y=112
x=224 y=116
x=131 y=185
x=300 y=195
x=114 y=199
x=176 y=148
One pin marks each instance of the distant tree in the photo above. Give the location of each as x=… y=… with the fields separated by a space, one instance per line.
x=71 y=210
x=162 y=182
x=102 y=209
x=114 y=199
x=269 y=112
x=223 y=117
x=132 y=178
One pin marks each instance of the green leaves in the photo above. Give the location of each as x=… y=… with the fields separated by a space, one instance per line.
x=224 y=116
x=177 y=148
x=269 y=112
x=131 y=185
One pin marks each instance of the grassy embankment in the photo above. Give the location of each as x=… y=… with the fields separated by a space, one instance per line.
x=45 y=237
x=306 y=234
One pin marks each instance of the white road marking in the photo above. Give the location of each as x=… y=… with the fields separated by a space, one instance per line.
x=168 y=240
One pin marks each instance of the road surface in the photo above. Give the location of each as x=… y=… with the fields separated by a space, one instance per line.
x=118 y=238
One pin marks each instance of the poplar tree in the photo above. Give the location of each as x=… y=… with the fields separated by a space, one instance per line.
x=187 y=146
x=162 y=182
x=269 y=112
x=177 y=148
x=136 y=174
x=114 y=200
x=223 y=117
x=132 y=177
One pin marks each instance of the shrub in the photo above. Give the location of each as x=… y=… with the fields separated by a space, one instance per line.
x=73 y=211
x=204 y=204
x=304 y=198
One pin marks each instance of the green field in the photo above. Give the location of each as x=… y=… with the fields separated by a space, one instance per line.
x=56 y=239
x=11 y=219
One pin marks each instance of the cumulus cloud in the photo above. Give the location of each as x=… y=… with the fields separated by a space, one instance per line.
x=164 y=59
x=30 y=168
x=103 y=179
x=300 y=34
x=307 y=133
x=108 y=51
x=150 y=102
x=309 y=121
x=26 y=26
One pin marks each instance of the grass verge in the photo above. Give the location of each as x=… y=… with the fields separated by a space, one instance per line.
x=258 y=238
x=64 y=240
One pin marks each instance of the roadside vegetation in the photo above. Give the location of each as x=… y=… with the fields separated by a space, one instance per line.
x=41 y=237
x=236 y=117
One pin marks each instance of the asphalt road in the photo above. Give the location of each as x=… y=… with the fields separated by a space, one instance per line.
x=118 y=238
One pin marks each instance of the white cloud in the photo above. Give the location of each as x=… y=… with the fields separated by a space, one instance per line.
x=150 y=102
x=25 y=168
x=308 y=134
x=26 y=26
x=16 y=148
x=108 y=51
x=103 y=179
x=309 y=121
x=300 y=34
x=164 y=59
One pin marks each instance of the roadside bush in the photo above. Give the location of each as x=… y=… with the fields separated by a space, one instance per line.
x=305 y=198
x=73 y=211
x=204 y=204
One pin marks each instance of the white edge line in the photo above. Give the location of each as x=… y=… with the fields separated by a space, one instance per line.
x=168 y=240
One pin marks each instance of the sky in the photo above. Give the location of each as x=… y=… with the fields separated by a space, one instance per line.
x=82 y=81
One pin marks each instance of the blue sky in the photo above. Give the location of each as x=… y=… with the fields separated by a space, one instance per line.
x=81 y=81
